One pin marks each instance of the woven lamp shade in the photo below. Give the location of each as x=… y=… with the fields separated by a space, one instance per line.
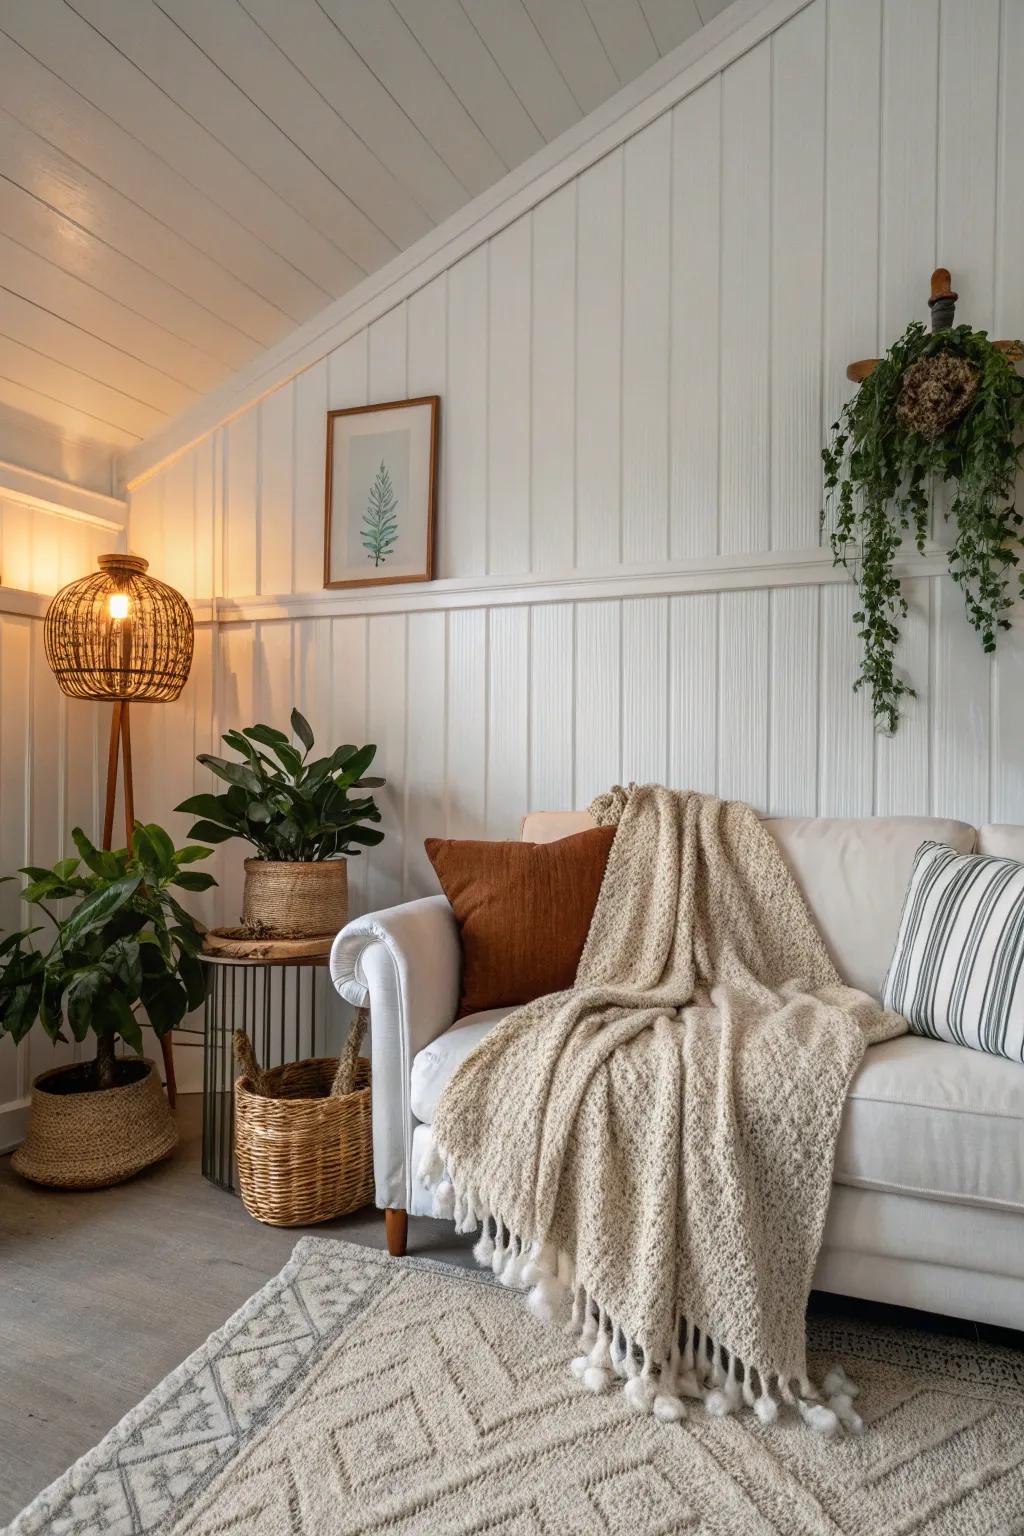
x=120 y=634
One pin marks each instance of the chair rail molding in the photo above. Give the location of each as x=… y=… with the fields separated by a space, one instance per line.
x=726 y=573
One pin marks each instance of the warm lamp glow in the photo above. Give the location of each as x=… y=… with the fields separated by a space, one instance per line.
x=119 y=634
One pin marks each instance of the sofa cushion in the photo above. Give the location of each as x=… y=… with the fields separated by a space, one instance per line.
x=922 y=1118
x=853 y=874
x=434 y=1065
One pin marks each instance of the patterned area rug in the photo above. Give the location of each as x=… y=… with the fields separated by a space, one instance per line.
x=360 y=1394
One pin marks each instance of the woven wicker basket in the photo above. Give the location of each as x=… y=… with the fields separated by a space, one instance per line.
x=295 y=901
x=304 y=1153
x=92 y=1139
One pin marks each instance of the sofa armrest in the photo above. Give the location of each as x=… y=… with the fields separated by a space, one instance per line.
x=405 y=963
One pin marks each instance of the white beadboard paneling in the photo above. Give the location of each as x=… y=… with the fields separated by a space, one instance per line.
x=699 y=290
x=390 y=49
x=508 y=416
x=1008 y=726
x=1009 y=295
x=625 y=34
x=166 y=531
x=961 y=712
x=331 y=64
x=599 y=690
x=967 y=161
x=793 y=702
x=348 y=715
x=467 y=723
x=599 y=363
x=464 y=425
x=797 y=218
x=387 y=351
x=552 y=484
x=743 y=697
x=519 y=52
x=277 y=489
x=645 y=690
x=312 y=665
x=573 y=43
x=696 y=158
x=274 y=693
x=236 y=700
x=426 y=339
x=426 y=753
x=552 y=696
x=241 y=499
x=311 y=404
x=645 y=342
x=508 y=719
x=671 y=22
x=15 y=848
x=902 y=761
x=850 y=306
x=909 y=73
x=386 y=725
x=846 y=736
x=462 y=57
x=693 y=693
x=744 y=331
x=203 y=521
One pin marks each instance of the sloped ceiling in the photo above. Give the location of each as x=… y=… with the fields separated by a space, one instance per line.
x=183 y=182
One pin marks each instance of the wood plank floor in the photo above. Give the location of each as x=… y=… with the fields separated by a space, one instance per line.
x=103 y=1292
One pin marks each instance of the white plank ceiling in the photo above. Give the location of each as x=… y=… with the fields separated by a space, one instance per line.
x=182 y=182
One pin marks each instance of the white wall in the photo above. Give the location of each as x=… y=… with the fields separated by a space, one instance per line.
x=636 y=377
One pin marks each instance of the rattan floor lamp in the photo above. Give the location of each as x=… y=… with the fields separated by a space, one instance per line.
x=120 y=635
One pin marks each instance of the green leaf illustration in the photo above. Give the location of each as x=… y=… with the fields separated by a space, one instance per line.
x=380 y=520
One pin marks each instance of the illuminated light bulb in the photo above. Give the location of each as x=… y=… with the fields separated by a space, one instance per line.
x=118 y=605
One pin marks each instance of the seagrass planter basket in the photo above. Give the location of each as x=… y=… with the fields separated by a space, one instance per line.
x=303 y=1137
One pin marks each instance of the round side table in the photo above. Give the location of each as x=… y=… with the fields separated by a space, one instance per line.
x=272 y=998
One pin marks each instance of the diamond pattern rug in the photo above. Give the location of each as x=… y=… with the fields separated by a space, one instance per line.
x=356 y=1394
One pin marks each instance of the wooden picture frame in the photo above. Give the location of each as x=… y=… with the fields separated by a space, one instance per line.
x=381 y=517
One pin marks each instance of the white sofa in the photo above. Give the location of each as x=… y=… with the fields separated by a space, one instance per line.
x=928 y=1194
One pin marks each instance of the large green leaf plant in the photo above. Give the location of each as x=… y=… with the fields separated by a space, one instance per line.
x=289 y=806
x=125 y=954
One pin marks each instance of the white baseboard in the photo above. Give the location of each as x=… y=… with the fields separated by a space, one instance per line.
x=13 y=1124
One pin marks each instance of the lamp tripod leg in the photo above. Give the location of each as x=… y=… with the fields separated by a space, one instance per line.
x=121 y=744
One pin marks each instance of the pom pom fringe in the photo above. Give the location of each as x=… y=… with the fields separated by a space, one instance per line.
x=697 y=1366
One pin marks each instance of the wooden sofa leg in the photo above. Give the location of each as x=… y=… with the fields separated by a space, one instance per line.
x=396 y=1225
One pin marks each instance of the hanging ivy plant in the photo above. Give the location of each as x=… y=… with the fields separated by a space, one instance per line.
x=959 y=420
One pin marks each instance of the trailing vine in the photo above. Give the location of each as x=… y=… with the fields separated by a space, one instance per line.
x=878 y=474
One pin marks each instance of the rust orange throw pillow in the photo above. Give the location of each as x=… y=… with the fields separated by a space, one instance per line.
x=523 y=911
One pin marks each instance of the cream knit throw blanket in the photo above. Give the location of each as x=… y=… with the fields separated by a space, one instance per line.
x=652 y=1151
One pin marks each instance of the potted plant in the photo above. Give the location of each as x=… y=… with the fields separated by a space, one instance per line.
x=127 y=948
x=945 y=405
x=299 y=815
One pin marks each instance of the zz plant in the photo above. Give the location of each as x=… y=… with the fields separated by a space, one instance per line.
x=289 y=807
x=878 y=474
x=126 y=944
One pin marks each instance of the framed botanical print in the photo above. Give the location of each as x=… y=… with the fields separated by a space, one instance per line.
x=381 y=492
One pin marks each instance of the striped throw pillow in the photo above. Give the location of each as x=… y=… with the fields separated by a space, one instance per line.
x=958 y=970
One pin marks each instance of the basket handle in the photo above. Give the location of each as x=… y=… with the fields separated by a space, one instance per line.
x=245 y=1055
x=345 y=1077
